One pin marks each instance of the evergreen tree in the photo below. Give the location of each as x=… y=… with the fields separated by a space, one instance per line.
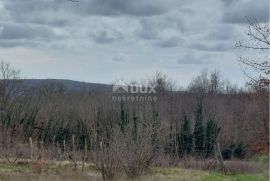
x=124 y=119
x=212 y=131
x=81 y=133
x=199 y=129
x=173 y=143
x=240 y=150
x=185 y=140
x=98 y=128
x=135 y=126
x=155 y=125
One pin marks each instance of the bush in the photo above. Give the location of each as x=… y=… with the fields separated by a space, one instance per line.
x=228 y=152
x=134 y=155
x=105 y=161
x=239 y=151
x=236 y=150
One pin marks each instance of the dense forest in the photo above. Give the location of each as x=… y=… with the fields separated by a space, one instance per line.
x=181 y=124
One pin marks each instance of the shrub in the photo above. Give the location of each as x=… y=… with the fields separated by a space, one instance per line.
x=134 y=155
x=227 y=153
x=105 y=161
x=240 y=150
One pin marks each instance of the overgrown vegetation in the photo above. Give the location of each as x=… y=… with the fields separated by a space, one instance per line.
x=130 y=137
x=65 y=171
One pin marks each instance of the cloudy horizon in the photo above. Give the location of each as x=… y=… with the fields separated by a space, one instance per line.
x=102 y=41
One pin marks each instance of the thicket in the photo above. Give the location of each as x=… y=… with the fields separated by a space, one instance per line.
x=130 y=136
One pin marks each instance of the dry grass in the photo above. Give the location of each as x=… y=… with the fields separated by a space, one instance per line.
x=257 y=165
x=64 y=171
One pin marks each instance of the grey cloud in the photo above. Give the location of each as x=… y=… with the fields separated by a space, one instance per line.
x=152 y=28
x=192 y=59
x=18 y=7
x=149 y=30
x=93 y=7
x=119 y=58
x=58 y=21
x=119 y=7
x=89 y=31
x=215 y=47
x=171 y=42
x=182 y=26
x=228 y=2
x=167 y=31
x=104 y=37
x=58 y=13
x=14 y=34
x=240 y=11
x=221 y=32
x=16 y=43
x=24 y=31
x=55 y=13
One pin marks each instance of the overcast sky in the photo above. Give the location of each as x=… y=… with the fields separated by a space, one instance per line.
x=106 y=40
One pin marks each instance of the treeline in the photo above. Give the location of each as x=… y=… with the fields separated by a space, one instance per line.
x=201 y=141
x=133 y=135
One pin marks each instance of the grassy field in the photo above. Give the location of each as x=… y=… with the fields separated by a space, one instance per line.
x=65 y=172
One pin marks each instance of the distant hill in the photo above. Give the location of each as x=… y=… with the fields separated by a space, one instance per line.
x=67 y=84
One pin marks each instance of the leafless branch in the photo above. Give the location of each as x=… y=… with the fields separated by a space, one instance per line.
x=259 y=40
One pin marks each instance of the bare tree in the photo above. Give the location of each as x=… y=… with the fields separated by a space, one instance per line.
x=258 y=35
x=200 y=84
x=216 y=82
x=8 y=78
x=135 y=153
x=9 y=109
x=207 y=82
x=9 y=91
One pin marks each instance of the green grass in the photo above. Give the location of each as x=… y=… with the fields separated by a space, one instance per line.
x=65 y=172
x=236 y=177
x=262 y=159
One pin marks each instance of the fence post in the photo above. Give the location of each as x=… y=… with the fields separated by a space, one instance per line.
x=41 y=157
x=53 y=149
x=31 y=148
x=73 y=143
x=64 y=146
x=220 y=159
x=85 y=154
x=73 y=152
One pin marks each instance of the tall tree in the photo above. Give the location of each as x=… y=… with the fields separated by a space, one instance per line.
x=201 y=83
x=259 y=45
x=199 y=129
x=257 y=68
x=211 y=133
x=9 y=91
x=185 y=140
x=124 y=117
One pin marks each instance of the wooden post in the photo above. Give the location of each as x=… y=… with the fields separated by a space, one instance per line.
x=73 y=143
x=73 y=152
x=102 y=162
x=64 y=146
x=31 y=148
x=85 y=154
x=101 y=146
x=53 y=149
x=59 y=152
x=220 y=159
x=41 y=157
